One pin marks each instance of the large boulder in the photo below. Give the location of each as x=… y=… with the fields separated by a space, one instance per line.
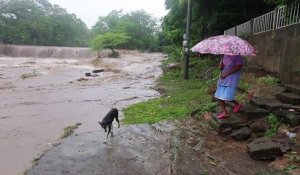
x=288 y=97
x=253 y=112
x=271 y=104
x=290 y=117
x=263 y=149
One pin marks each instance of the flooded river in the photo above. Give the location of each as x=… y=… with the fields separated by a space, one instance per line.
x=42 y=96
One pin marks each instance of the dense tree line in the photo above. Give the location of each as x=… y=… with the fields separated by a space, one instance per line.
x=211 y=17
x=140 y=28
x=37 y=22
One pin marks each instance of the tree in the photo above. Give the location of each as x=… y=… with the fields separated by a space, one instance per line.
x=281 y=2
x=109 y=40
x=141 y=28
x=37 y=22
x=209 y=17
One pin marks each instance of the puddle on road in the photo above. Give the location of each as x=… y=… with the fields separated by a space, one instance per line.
x=35 y=110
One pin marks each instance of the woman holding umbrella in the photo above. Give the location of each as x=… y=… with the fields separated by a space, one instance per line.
x=228 y=83
x=232 y=47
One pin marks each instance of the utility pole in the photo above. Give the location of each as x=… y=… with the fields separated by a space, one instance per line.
x=186 y=41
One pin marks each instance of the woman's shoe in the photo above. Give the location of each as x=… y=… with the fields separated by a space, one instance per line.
x=222 y=116
x=237 y=108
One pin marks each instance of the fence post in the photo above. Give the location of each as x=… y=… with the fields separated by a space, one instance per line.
x=235 y=30
x=251 y=26
x=187 y=49
x=274 y=19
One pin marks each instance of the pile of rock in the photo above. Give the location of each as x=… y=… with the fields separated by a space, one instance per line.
x=251 y=122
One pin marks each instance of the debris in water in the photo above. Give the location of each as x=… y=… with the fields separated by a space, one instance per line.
x=82 y=79
x=98 y=71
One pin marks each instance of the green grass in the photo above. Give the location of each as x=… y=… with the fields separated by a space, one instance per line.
x=274 y=123
x=181 y=98
x=70 y=130
x=268 y=80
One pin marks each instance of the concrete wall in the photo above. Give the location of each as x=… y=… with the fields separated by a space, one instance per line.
x=47 y=52
x=278 y=52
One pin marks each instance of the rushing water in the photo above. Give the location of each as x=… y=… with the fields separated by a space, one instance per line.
x=55 y=94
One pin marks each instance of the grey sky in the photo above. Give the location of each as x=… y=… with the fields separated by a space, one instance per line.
x=89 y=10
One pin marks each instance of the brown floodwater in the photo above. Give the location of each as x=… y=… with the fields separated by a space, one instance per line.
x=54 y=93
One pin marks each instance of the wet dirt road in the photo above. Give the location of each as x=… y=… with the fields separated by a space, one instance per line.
x=55 y=94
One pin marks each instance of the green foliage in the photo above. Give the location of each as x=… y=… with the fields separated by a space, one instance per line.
x=109 y=40
x=280 y=2
x=290 y=167
x=175 y=53
x=245 y=86
x=181 y=98
x=141 y=28
x=274 y=123
x=209 y=17
x=40 y=23
x=268 y=80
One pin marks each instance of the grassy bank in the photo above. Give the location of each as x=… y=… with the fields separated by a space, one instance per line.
x=180 y=97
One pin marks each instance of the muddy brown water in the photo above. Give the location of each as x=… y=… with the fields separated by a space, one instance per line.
x=55 y=94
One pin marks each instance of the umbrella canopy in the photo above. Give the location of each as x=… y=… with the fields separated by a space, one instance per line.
x=224 y=45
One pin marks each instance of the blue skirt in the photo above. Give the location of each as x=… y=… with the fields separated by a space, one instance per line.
x=225 y=93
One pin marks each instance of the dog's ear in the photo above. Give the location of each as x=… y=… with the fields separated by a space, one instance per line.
x=100 y=123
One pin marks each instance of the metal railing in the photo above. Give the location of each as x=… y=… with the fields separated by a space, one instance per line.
x=264 y=23
x=288 y=15
x=230 y=31
x=280 y=17
x=244 y=28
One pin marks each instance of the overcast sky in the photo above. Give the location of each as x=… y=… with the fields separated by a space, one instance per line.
x=89 y=10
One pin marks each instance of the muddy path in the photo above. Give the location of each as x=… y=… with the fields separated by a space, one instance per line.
x=40 y=97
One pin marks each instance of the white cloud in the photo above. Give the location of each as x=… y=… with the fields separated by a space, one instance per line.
x=89 y=10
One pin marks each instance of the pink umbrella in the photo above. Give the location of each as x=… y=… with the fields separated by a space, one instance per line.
x=224 y=45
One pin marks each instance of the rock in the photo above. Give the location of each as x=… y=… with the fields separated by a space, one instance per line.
x=283 y=142
x=224 y=124
x=293 y=89
x=241 y=134
x=263 y=149
x=296 y=108
x=98 y=70
x=82 y=79
x=262 y=102
x=290 y=98
x=139 y=149
x=271 y=104
x=252 y=112
x=259 y=126
x=297 y=139
x=290 y=117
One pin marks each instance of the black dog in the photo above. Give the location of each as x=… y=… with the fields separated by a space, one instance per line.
x=107 y=121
